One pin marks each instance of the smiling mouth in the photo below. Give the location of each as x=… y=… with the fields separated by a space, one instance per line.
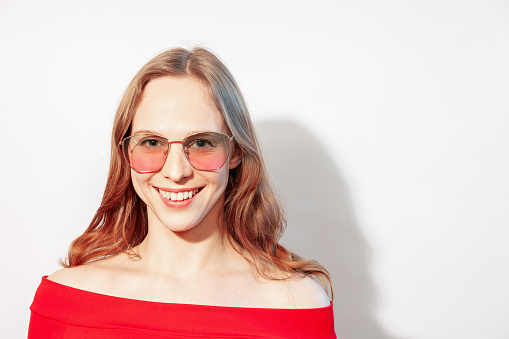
x=180 y=196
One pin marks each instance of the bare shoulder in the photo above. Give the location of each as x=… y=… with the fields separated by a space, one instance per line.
x=72 y=276
x=295 y=292
x=90 y=277
x=305 y=292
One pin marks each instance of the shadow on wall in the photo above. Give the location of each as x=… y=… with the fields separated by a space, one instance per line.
x=322 y=223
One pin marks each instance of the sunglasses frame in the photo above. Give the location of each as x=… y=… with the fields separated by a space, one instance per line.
x=181 y=142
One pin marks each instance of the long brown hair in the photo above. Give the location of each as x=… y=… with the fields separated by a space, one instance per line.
x=253 y=216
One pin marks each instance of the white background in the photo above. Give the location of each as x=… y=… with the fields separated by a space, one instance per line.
x=384 y=124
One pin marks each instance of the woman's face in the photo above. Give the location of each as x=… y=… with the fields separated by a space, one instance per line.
x=174 y=108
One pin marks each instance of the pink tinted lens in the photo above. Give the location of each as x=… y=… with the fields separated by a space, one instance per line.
x=207 y=160
x=206 y=151
x=145 y=152
x=147 y=162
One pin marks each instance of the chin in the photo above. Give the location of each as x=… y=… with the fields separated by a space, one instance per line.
x=178 y=225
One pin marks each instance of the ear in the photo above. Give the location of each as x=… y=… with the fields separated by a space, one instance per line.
x=235 y=157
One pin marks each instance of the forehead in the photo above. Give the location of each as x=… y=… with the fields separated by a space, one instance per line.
x=176 y=107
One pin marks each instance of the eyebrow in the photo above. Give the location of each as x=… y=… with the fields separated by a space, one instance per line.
x=145 y=131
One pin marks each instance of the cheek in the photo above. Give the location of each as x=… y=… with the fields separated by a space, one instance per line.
x=217 y=181
x=138 y=180
x=222 y=180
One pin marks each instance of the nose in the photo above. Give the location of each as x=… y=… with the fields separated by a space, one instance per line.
x=176 y=166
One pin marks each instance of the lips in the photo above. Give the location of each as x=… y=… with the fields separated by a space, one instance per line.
x=178 y=195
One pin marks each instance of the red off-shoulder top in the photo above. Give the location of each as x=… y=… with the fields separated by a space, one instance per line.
x=60 y=311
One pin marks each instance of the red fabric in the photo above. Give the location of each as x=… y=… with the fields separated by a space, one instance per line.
x=60 y=311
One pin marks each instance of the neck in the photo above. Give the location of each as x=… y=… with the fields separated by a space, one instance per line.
x=186 y=254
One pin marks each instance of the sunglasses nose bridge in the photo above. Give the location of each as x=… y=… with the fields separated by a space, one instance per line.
x=174 y=142
x=176 y=158
x=181 y=142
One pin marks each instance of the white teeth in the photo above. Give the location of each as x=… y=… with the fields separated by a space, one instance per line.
x=178 y=196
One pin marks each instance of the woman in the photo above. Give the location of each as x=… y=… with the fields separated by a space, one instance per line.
x=185 y=242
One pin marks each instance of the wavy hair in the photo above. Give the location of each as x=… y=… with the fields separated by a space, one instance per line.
x=253 y=216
